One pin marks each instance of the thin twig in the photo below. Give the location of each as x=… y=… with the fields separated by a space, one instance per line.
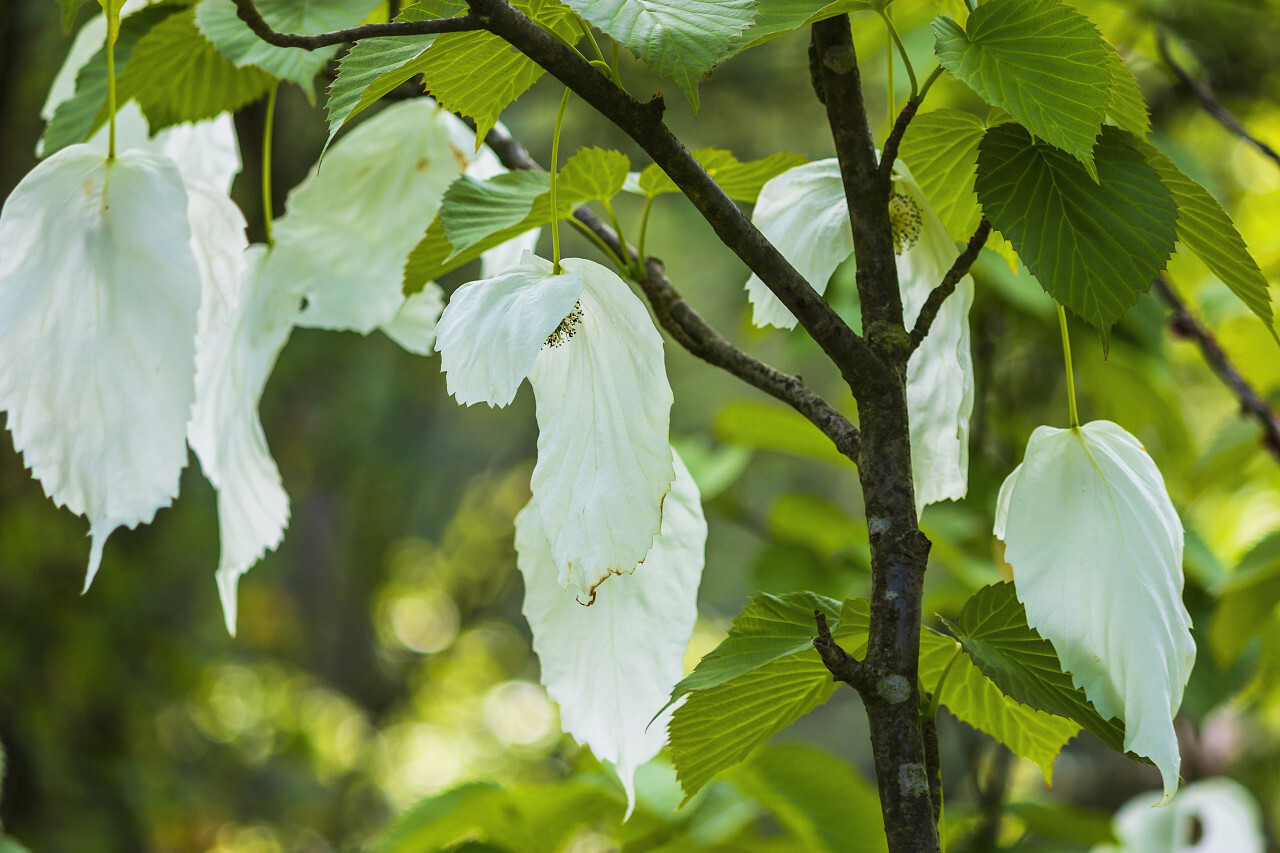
x=248 y=13
x=1252 y=404
x=688 y=327
x=1210 y=102
x=842 y=665
x=959 y=269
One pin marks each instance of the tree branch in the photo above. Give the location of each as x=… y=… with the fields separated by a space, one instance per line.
x=842 y=665
x=691 y=331
x=643 y=123
x=959 y=269
x=1210 y=102
x=1252 y=404
x=248 y=13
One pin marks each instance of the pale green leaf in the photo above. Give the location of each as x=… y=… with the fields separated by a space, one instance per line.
x=1094 y=247
x=76 y=118
x=176 y=75
x=1126 y=106
x=373 y=67
x=478 y=74
x=680 y=39
x=1247 y=601
x=1207 y=230
x=1042 y=61
x=993 y=630
x=769 y=427
x=218 y=21
x=740 y=181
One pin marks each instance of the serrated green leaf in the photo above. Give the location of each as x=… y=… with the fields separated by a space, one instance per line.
x=482 y=213
x=176 y=74
x=373 y=67
x=1247 y=601
x=779 y=17
x=1207 y=230
x=816 y=797
x=479 y=75
x=770 y=427
x=218 y=21
x=1126 y=106
x=76 y=118
x=1043 y=62
x=993 y=630
x=1094 y=247
x=680 y=39
x=740 y=708
x=740 y=181
x=972 y=697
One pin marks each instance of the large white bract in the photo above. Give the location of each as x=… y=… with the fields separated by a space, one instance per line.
x=612 y=666
x=99 y=295
x=804 y=213
x=1096 y=549
x=595 y=362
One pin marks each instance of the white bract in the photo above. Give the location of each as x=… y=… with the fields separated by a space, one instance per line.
x=233 y=365
x=612 y=666
x=99 y=295
x=804 y=213
x=595 y=362
x=1096 y=549
x=349 y=226
x=1216 y=815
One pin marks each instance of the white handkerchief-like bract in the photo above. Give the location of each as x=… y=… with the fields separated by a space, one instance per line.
x=612 y=666
x=1096 y=549
x=99 y=294
x=226 y=433
x=350 y=225
x=804 y=213
x=595 y=362
x=1216 y=815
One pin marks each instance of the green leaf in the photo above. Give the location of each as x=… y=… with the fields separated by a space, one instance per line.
x=818 y=798
x=482 y=214
x=741 y=707
x=972 y=697
x=770 y=427
x=816 y=523
x=1207 y=230
x=1043 y=62
x=941 y=150
x=218 y=21
x=779 y=17
x=680 y=39
x=478 y=74
x=373 y=67
x=993 y=630
x=1126 y=106
x=1247 y=601
x=1093 y=247
x=740 y=181
x=176 y=74
x=76 y=118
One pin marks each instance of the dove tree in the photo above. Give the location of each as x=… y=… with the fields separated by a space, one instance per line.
x=135 y=320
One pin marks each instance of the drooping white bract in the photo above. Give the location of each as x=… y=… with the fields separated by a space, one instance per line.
x=804 y=213
x=612 y=666
x=1216 y=815
x=1096 y=550
x=595 y=362
x=99 y=294
x=226 y=433
x=350 y=225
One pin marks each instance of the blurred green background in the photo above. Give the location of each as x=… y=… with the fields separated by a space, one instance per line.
x=382 y=657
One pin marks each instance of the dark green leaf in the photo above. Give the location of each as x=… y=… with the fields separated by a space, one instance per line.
x=177 y=75
x=76 y=119
x=993 y=629
x=1040 y=60
x=1093 y=247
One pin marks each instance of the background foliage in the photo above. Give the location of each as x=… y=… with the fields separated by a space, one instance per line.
x=382 y=657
